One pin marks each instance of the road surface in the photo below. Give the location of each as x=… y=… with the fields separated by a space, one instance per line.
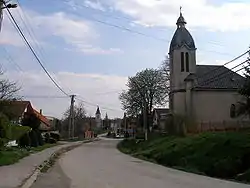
x=100 y=165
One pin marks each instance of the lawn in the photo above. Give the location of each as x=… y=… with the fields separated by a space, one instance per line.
x=11 y=155
x=221 y=155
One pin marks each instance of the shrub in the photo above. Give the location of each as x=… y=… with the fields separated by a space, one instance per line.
x=33 y=138
x=24 y=141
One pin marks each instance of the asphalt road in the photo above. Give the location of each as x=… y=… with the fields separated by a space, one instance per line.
x=100 y=165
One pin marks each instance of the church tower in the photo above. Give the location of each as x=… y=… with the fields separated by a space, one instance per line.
x=98 y=118
x=182 y=55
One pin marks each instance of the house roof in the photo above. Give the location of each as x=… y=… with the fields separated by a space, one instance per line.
x=42 y=118
x=217 y=77
x=16 y=108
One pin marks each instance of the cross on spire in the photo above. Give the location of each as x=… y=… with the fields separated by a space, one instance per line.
x=180 y=9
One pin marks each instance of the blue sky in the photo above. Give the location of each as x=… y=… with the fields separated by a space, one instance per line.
x=90 y=58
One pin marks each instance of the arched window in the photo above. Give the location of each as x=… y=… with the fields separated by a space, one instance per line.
x=187 y=62
x=232 y=111
x=182 y=61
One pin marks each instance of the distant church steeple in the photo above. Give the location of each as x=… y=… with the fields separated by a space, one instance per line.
x=98 y=118
x=98 y=110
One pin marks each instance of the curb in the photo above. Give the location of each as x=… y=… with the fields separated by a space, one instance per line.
x=27 y=183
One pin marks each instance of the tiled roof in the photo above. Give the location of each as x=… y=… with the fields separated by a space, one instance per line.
x=42 y=118
x=217 y=77
x=16 y=108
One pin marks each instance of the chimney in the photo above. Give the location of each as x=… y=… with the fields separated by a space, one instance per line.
x=41 y=111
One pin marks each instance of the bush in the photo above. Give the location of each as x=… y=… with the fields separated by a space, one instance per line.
x=39 y=137
x=17 y=131
x=4 y=122
x=25 y=141
x=33 y=138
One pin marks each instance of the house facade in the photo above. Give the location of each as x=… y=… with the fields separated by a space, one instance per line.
x=18 y=109
x=205 y=94
x=160 y=116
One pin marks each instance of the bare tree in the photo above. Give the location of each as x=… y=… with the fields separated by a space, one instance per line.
x=8 y=89
x=165 y=69
x=80 y=118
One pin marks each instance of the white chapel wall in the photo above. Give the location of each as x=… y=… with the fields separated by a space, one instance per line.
x=214 y=105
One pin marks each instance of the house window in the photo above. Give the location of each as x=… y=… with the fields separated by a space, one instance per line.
x=182 y=61
x=187 y=62
x=232 y=111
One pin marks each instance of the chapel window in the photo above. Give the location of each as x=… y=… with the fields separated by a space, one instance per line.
x=182 y=61
x=187 y=62
x=232 y=111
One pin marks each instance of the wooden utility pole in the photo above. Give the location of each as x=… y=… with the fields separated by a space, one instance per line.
x=71 y=116
x=145 y=119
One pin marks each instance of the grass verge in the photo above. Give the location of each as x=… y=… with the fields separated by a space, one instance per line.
x=11 y=155
x=220 y=155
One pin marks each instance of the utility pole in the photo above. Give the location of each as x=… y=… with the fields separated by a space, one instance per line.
x=125 y=123
x=145 y=119
x=71 y=116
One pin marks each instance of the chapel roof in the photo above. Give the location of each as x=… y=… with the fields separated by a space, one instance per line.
x=217 y=77
x=181 y=37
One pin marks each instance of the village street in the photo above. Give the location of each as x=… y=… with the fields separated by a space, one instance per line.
x=101 y=165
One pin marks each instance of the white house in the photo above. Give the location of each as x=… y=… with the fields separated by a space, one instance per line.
x=203 y=93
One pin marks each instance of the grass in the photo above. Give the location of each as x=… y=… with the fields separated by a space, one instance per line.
x=11 y=155
x=221 y=155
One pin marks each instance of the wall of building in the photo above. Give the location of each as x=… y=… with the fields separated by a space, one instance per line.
x=177 y=77
x=214 y=105
x=179 y=103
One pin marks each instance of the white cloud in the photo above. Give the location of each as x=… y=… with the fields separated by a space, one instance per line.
x=102 y=90
x=79 y=4
x=229 y=16
x=94 y=4
x=75 y=31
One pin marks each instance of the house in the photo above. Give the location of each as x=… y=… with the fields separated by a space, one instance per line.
x=159 y=117
x=54 y=122
x=16 y=110
x=204 y=94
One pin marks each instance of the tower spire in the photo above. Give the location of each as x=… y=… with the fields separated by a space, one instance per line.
x=181 y=21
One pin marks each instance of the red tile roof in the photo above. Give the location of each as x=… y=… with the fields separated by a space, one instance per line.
x=17 y=108
x=42 y=118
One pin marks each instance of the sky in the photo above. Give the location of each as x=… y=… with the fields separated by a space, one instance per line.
x=90 y=47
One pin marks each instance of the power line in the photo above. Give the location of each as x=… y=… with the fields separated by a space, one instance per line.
x=213 y=79
x=92 y=104
x=34 y=53
x=11 y=60
x=31 y=33
x=45 y=97
x=215 y=69
x=140 y=33
x=130 y=18
x=28 y=26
